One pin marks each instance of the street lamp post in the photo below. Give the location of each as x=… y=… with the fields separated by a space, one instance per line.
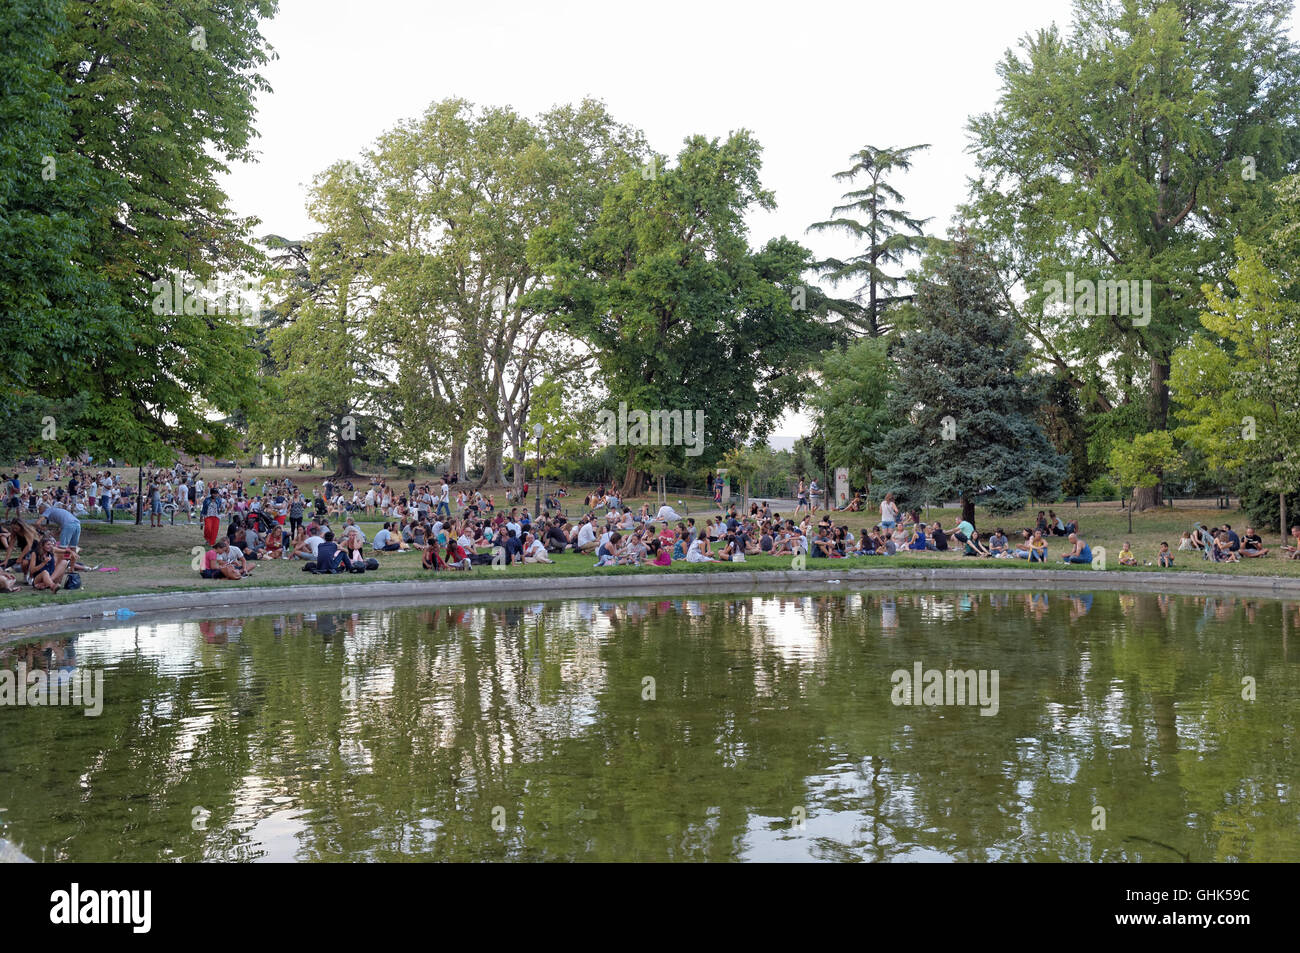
x=537 y=501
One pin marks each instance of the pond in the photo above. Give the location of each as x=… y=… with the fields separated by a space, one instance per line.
x=1073 y=727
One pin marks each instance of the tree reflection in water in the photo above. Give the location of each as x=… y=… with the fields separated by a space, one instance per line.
x=417 y=733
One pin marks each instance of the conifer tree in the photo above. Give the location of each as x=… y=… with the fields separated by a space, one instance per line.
x=964 y=401
x=874 y=215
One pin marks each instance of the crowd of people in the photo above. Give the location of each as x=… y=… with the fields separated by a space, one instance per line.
x=453 y=527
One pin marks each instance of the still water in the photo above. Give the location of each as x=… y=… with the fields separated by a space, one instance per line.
x=1126 y=727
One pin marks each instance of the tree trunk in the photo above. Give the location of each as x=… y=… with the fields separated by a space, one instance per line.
x=456 y=457
x=344 y=469
x=968 y=509
x=633 y=479
x=493 y=471
x=1146 y=497
x=1281 y=502
x=520 y=474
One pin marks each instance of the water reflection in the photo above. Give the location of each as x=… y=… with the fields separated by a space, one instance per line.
x=749 y=727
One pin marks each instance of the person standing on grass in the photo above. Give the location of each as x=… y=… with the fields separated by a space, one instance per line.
x=888 y=513
x=211 y=514
x=69 y=526
x=296 y=508
x=155 y=505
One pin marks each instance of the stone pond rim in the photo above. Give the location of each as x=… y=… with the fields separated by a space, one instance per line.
x=253 y=599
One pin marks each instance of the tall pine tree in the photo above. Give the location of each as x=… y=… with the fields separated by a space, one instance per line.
x=965 y=402
x=874 y=215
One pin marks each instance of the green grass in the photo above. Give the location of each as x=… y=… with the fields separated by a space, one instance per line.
x=154 y=560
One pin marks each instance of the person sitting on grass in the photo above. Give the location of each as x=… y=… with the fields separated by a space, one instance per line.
x=1202 y=538
x=998 y=545
x=355 y=550
x=659 y=550
x=534 y=550
x=584 y=537
x=329 y=558
x=1080 y=552
x=1165 y=559
x=457 y=556
x=275 y=545
x=1293 y=552
x=939 y=539
x=919 y=543
x=386 y=542
x=431 y=558
x=50 y=569
x=1252 y=547
x=1126 y=556
x=607 y=552
x=215 y=564
x=1223 y=549
x=974 y=546
x=822 y=546
x=1185 y=544
x=699 y=550
x=963 y=531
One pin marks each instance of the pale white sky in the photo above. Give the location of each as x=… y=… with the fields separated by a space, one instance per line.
x=814 y=81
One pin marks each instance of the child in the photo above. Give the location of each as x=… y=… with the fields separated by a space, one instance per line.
x=1126 y=556
x=1166 y=558
x=1186 y=544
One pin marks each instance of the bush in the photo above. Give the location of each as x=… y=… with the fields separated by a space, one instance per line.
x=1261 y=505
x=1101 y=489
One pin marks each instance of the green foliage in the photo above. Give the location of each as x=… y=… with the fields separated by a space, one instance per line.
x=674 y=304
x=963 y=402
x=1101 y=488
x=1141 y=461
x=565 y=424
x=1107 y=430
x=1239 y=386
x=154 y=113
x=851 y=403
x=1120 y=151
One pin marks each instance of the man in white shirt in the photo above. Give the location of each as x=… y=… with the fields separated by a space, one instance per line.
x=586 y=541
x=534 y=551
x=666 y=513
x=307 y=548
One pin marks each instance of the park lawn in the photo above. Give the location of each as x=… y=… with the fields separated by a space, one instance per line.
x=152 y=560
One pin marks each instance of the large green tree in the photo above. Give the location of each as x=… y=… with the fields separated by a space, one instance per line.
x=1133 y=148
x=873 y=215
x=964 y=402
x=457 y=194
x=128 y=114
x=680 y=312
x=329 y=385
x=1238 y=382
